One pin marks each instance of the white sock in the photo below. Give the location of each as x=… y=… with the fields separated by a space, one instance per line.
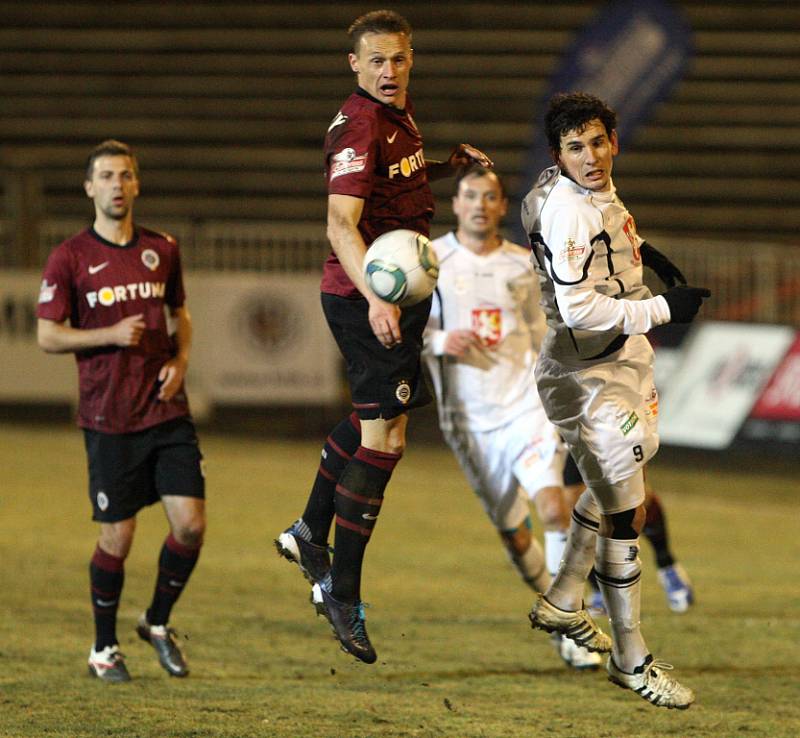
x=619 y=572
x=554 y=544
x=566 y=591
x=531 y=566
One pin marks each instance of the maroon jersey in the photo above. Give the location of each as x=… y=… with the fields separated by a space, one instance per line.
x=374 y=151
x=95 y=284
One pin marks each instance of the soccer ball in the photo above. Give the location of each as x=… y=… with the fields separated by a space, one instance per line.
x=401 y=267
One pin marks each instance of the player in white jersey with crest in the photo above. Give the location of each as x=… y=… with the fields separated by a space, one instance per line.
x=595 y=378
x=481 y=344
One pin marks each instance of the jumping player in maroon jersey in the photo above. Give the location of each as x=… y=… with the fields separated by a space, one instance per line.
x=103 y=297
x=377 y=177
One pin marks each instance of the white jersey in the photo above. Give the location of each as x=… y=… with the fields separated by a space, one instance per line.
x=587 y=257
x=496 y=296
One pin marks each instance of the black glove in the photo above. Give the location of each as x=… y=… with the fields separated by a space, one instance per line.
x=684 y=302
x=667 y=272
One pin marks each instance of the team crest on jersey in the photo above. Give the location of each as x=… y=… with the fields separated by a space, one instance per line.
x=571 y=252
x=347 y=161
x=150 y=259
x=403 y=392
x=630 y=231
x=487 y=325
x=47 y=292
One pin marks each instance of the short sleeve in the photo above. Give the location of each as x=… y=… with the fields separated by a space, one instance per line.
x=175 y=295
x=351 y=154
x=55 y=292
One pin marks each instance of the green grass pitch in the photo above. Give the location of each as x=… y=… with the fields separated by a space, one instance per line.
x=448 y=616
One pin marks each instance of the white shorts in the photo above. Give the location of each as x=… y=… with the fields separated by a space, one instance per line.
x=527 y=452
x=606 y=412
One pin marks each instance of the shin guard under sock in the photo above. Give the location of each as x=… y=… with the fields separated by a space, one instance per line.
x=619 y=572
x=339 y=448
x=359 y=496
x=106 y=577
x=566 y=591
x=175 y=565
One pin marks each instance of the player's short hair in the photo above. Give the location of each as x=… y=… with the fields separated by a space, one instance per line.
x=476 y=170
x=110 y=147
x=572 y=112
x=377 y=21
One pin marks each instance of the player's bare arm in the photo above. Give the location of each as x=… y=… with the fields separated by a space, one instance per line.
x=344 y=213
x=60 y=338
x=172 y=373
x=462 y=156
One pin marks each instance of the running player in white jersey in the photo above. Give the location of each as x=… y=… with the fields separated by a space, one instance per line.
x=595 y=378
x=481 y=344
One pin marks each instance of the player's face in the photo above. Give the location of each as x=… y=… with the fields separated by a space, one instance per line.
x=479 y=205
x=587 y=156
x=113 y=186
x=383 y=64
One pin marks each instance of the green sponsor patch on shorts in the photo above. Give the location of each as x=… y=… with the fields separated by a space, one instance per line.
x=629 y=423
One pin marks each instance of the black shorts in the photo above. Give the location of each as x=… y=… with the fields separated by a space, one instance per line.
x=128 y=471
x=384 y=383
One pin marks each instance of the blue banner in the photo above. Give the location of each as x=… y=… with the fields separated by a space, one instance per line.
x=631 y=55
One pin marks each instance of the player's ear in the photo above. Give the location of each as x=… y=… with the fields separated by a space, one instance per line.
x=353 y=59
x=614 y=143
x=87 y=187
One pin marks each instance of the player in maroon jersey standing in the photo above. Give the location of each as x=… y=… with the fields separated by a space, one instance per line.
x=103 y=297
x=377 y=177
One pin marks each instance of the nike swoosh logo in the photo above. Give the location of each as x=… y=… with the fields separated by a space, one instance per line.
x=391 y=138
x=106 y=603
x=367 y=516
x=173 y=583
x=95 y=269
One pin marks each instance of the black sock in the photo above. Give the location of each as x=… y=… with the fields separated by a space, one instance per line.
x=106 y=577
x=655 y=530
x=592 y=578
x=359 y=496
x=339 y=448
x=175 y=566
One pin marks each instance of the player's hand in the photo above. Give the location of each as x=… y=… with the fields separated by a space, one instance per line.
x=684 y=302
x=171 y=377
x=128 y=332
x=384 y=319
x=464 y=155
x=458 y=343
x=667 y=272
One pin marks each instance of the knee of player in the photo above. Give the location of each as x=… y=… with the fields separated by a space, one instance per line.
x=625 y=525
x=551 y=508
x=518 y=540
x=190 y=532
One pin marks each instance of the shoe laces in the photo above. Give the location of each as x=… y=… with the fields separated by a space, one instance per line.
x=663 y=683
x=358 y=621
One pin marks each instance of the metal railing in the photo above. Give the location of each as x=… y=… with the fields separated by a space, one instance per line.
x=756 y=282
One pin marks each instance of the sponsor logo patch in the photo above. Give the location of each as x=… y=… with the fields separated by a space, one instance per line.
x=629 y=424
x=107 y=296
x=47 y=292
x=633 y=552
x=651 y=404
x=487 y=324
x=571 y=252
x=408 y=165
x=347 y=161
x=403 y=391
x=150 y=259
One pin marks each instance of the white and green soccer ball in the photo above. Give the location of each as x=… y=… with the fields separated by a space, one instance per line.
x=401 y=267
